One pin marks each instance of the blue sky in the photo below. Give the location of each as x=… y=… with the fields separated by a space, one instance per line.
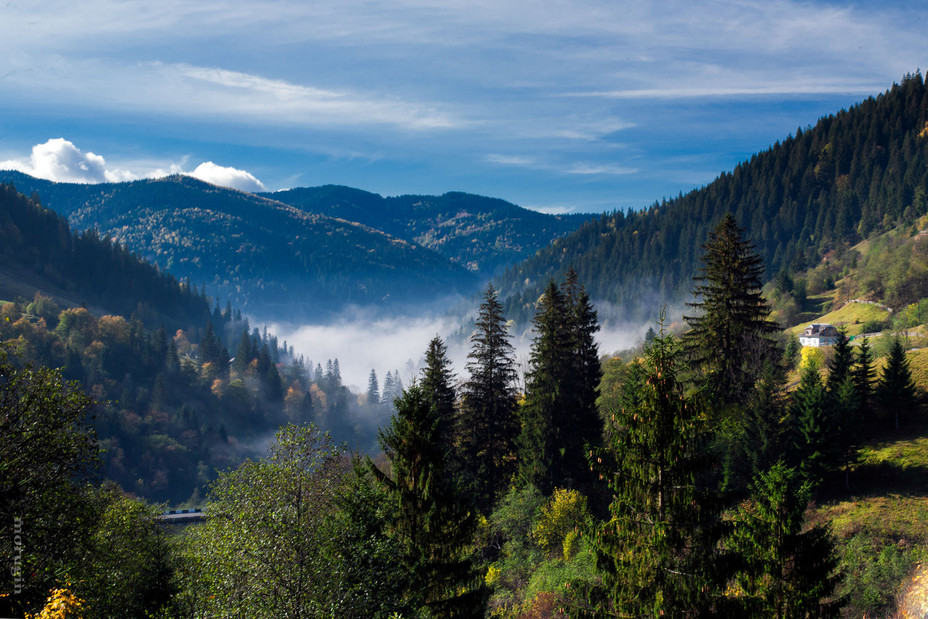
x=560 y=106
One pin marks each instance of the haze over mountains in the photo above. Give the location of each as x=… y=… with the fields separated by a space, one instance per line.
x=306 y=254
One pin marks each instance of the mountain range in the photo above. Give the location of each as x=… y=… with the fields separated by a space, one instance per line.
x=306 y=254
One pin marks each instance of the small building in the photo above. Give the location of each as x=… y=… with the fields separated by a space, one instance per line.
x=818 y=334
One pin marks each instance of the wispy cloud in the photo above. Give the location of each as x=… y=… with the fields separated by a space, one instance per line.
x=612 y=170
x=569 y=168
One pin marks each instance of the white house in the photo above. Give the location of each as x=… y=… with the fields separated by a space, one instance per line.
x=818 y=334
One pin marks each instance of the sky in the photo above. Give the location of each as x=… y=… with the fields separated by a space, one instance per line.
x=555 y=105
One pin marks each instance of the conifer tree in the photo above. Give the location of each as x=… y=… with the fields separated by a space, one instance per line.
x=729 y=338
x=547 y=396
x=864 y=374
x=585 y=427
x=387 y=394
x=656 y=552
x=843 y=403
x=438 y=385
x=373 y=390
x=841 y=364
x=896 y=390
x=560 y=421
x=432 y=526
x=488 y=427
x=815 y=448
x=786 y=572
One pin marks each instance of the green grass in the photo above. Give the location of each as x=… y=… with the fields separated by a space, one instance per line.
x=852 y=316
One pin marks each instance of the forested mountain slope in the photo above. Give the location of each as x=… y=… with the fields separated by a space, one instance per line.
x=483 y=234
x=268 y=258
x=855 y=173
x=182 y=389
x=39 y=252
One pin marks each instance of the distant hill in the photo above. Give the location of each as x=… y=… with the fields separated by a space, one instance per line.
x=307 y=253
x=854 y=174
x=269 y=258
x=482 y=234
x=38 y=253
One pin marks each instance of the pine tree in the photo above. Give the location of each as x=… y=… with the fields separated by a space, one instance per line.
x=432 y=527
x=373 y=390
x=843 y=404
x=547 y=397
x=786 y=572
x=585 y=425
x=841 y=364
x=488 y=427
x=656 y=553
x=438 y=385
x=560 y=421
x=729 y=340
x=896 y=390
x=814 y=442
x=387 y=394
x=864 y=374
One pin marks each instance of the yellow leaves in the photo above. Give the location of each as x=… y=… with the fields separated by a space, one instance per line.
x=924 y=132
x=492 y=576
x=61 y=604
x=558 y=525
x=811 y=355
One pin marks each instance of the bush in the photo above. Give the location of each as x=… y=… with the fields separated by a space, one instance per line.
x=875 y=574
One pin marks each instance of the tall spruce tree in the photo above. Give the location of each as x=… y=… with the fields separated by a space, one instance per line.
x=841 y=364
x=896 y=389
x=560 y=421
x=785 y=571
x=585 y=428
x=373 y=390
x=546 y=397
x=864 y=375
x=815 y=449
x=432 y=526
x=729 y=338
x=657 y=551
x=843 y=402
x=438 y=384
x=487 y=426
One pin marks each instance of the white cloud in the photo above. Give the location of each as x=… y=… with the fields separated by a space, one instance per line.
x=60 y=160
x=227 y=177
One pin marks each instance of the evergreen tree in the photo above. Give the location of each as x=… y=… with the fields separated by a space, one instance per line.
x=547 y=397
x=864 y=375
x=843 y=402
x=840 y=367
x=488 y=427
x=896 y=390
x=729 y=340
x=373 y=390
x=786 y=572
x=815 y=449
x=432 y=526
x=560 y=421
x=585 y=425
x=656 y=552
x=438 y=385
x=387 y=394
